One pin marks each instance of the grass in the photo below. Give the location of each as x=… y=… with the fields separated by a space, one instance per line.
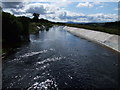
x=111 y=27
x=33 y=27
x=97 y=28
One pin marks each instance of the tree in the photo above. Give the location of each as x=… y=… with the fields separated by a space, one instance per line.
x=25 y=31
x=11 y=29
x=15 y=30
x=36 y=17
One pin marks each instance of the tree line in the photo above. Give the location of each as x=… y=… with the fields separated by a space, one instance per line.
x=15 y=30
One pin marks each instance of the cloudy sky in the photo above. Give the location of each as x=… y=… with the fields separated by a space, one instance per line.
x=65 y=11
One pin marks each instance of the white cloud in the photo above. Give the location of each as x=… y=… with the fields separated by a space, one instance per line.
x=75 y=17
x=100 y=17
x=91 y=4
x=64 y=3
x=36 y=8
x=85 y=4
x=60 y=0
x=55 y=12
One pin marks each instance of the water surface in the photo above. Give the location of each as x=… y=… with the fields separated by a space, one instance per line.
x=57 y=59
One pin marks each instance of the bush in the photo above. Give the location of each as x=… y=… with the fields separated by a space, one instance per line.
x=14 y=30
x=11 y=29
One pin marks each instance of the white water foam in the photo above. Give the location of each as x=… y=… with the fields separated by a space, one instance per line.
x=70 y=77
x=50 y=60
x=43 y=67
x=34 y=53
x=37 y=77
x=39 y=41
x=31 y=54
x=46 y=85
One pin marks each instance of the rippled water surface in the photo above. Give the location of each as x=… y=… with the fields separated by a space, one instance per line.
x=56 y=59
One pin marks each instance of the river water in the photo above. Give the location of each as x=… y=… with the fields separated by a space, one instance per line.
x=56 y=59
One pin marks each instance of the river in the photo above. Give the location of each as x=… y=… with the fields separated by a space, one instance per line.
x=56 y=59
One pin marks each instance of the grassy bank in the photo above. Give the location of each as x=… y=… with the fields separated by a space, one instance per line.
x=111 y=27
x=16 y=30
x=35 y=27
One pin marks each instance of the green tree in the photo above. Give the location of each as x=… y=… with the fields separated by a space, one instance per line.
x=14 y=29
x=36 y=17
x=11 y=28
x=25 y=31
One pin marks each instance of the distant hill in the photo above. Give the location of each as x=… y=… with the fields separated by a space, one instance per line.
x=70 y=22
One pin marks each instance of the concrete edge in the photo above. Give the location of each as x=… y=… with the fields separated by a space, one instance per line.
x=115 y=46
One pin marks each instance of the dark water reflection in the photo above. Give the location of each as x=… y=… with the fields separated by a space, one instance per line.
x=56 y=59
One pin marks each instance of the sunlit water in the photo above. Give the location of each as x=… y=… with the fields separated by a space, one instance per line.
x=56 y=59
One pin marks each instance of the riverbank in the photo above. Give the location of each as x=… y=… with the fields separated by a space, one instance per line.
x=16 y=31
x=33 y=29
x=109 y=40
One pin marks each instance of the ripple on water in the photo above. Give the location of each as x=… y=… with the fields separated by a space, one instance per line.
x=31 y=54
x=45 y=85
x=43 y=67
x=50 y=60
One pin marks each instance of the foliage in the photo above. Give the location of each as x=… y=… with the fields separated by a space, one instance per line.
x=11 y=28
x=36 y=17
x=25 y=31
x=14 y=30
x=33 y=28
x=41 y=23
